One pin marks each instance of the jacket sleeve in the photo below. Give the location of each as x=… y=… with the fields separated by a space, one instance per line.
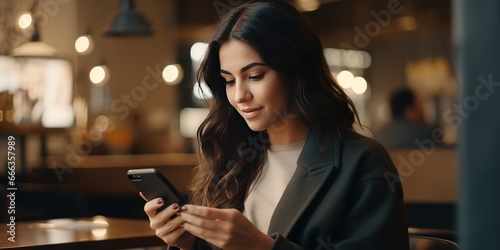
x=281 y=243
x=376 y=219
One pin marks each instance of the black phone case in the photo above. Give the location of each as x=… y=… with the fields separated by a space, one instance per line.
x=153 y=184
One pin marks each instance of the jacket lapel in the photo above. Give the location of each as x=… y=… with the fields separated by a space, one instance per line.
x=313 y=169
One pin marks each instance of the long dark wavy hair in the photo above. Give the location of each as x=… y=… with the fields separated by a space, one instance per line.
x=233 y=153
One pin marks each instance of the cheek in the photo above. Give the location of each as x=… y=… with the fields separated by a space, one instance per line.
x=278 y=95
x=229 y=96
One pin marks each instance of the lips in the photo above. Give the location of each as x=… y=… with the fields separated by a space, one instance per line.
x=250 y=113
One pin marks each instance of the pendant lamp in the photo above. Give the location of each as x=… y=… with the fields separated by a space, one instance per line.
x=129 y=22
x=35 y=47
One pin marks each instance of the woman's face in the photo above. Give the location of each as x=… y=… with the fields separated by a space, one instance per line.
x=256 y=91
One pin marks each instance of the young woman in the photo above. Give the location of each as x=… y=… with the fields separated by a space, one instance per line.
x=283 y=167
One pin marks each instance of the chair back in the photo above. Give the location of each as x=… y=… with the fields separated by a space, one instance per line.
x=419 y=242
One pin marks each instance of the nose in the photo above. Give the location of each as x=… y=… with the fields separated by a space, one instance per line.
x=242 y=93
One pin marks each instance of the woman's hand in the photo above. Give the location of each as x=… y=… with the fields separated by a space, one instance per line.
x=168 y=227
x=224 y=228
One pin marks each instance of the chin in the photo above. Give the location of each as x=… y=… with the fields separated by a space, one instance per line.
x=256 y=126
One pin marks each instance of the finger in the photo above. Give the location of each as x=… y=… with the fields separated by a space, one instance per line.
x=159 y=219
x=208 y=212
x=201 y=232
x=164 y=216
x=143 y=197
x=169 y=227
x=207 y=229
x=151 y=206
x=179 y=238
x=202 y=222
x=178 y=232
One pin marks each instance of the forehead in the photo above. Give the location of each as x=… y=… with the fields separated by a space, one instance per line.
x=236 y=54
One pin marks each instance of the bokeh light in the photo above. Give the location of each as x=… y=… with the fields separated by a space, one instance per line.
x=99 y=75
x=25 y=20
x=84 y=44
x=345 y=79
x=359 y=85
x=172 y=74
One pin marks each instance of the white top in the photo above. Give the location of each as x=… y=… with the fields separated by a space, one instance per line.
x=268 y=189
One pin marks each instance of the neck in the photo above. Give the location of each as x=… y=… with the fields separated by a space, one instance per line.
x=288 y=131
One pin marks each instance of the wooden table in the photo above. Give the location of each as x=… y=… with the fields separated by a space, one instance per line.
x=93 y=233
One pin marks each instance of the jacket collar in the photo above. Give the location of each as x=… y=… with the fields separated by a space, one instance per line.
x=315 y=164
x=314 y=153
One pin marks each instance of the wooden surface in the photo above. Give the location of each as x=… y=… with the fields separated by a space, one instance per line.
x=94 y=233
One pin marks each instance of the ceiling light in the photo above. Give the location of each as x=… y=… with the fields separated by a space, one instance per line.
x=84 y=45
x=35 y=48
x=99 y=75
x=359 y=85
x=308 y=5
x=345 y=79
x=129 y=22
x=198 y=51
x=172 y=74
x=25 y=20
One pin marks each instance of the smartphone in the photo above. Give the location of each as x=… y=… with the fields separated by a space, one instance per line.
x=153 y=184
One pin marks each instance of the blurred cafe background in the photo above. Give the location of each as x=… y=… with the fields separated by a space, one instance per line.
x=90 y=89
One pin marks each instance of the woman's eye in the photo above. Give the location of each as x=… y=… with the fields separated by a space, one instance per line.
x=229 y=82
x=257 y=77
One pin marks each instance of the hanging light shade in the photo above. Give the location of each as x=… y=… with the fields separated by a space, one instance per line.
x=129 y=22
x=35 y=47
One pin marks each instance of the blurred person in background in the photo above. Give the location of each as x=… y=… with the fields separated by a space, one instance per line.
x=407 y=127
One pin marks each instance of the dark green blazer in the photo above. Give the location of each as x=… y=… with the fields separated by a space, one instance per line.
x=344 y=194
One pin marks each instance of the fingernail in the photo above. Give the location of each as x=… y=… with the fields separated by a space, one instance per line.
x=184 y=208
x=160 y=201
x=175 y=206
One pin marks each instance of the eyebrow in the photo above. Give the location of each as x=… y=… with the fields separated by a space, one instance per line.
x=249 y=66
